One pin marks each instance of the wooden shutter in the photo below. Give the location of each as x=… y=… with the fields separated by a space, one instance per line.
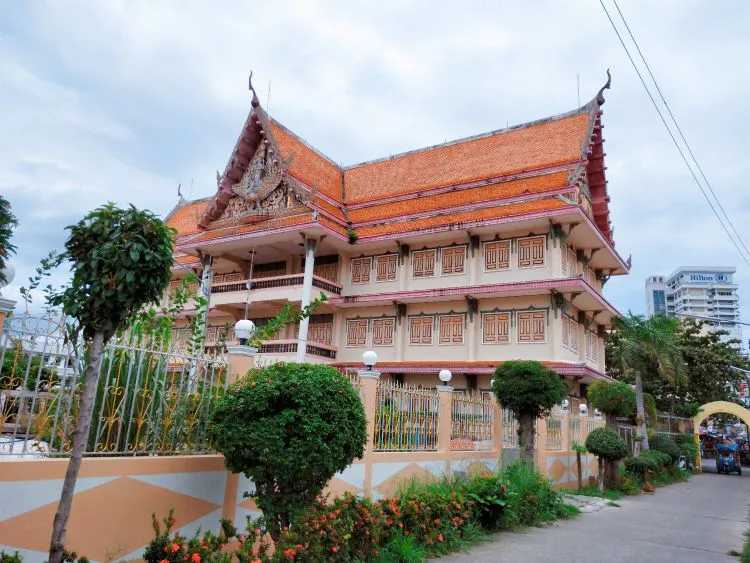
x=423 y=263
x=453 y=259
x=382 y=331
x=496 y=328
x=531 y=326
x=565 y=331
x=531 y=252
x=361 y=269
x=573 y=335
x=497 y=255
x=386 y=267
x=420 y=330
x=356 y=332
x=320 y=330
x=451 y=329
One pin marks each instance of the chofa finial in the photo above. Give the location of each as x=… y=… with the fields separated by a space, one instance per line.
x=255 y=102
x=600 y=95
x=179 y=193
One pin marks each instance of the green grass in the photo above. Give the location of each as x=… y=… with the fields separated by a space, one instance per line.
x=745 y=556
x=593 y=491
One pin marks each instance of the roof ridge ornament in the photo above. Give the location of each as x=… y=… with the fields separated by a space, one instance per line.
x=600 y=95
x=254 y=102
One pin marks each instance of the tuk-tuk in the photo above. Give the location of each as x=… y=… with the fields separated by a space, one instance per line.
x=728 y=458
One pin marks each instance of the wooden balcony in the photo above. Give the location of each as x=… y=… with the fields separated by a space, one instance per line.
x=284 y=288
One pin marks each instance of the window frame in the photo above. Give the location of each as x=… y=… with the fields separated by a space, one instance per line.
x=434 y=251
x=351 y=270
x=452 y=249
x=388 y=256
x=367 y=333
x=509 y=243
x=544 y=313
x=432 y=330
x=531 y=266
x=462 y=323
x=393 y=331
x=510 y=328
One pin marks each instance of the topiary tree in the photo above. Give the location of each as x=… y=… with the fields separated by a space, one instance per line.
x=666 y=445
x=614 y=399
x=529 y=390
x=290 y=428
x=607 y=445
x=7 y=223
x=121 y=260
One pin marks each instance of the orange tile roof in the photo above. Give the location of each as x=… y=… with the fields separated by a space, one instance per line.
x=185 y=217
x=185 y=259
x=306 y=164
x=332 y=209
x=333 y=225
x=537 y=145
x=486 y=214
x=235 y=230
x=450 y=200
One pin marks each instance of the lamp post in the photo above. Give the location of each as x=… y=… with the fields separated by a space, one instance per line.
x=241 y=357
x=243 y=330
x=369 y=359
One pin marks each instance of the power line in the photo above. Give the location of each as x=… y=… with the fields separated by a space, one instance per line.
x=674 y=140
x=679 y=130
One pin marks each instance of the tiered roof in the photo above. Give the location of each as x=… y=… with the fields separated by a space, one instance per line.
x=512 y=172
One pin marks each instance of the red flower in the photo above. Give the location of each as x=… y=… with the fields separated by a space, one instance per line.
x=195 y=558
x=334 y=549
x=440 y=538
x=175 y=548
x=164 y=560
x=290 y=553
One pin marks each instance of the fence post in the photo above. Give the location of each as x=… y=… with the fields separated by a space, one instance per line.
x=541 y=444
x=368 y=389
x=240 y=359
x=565 y=432
x=445 y=415
x=497 y=427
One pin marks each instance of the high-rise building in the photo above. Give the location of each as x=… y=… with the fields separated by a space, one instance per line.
x=701 y=293
x=656 y=296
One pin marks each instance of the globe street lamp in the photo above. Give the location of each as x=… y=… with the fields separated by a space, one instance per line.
x=243 y=330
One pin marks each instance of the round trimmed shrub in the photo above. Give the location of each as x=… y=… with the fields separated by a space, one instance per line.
x=606 y=444
x=289 y=428
x=661 y=459
x=612 y=398
x=667 y=445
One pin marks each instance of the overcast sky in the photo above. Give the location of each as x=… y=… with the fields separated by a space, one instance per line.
x=121 y=101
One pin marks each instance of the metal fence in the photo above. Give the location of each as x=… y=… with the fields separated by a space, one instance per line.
x=554 y=439
x=471 y=421
x=149 y=400
x=510 y=429
x=406 y=418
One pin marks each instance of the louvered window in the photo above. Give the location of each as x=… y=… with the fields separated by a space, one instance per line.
x=423 y=263
x=451 y=329
x=497 y=255
x=420 y=330
x=361 y=269
x=320 y=329
x=531 y=326
x=356 y=332
x=496 y=328
x=531 y=252
x=385 y=267
x=453 y=259
x=382 y=331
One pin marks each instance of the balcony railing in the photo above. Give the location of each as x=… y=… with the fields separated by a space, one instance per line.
x=275 y=281
x=290 y=347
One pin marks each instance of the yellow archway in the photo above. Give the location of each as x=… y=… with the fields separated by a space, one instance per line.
x=717 y=407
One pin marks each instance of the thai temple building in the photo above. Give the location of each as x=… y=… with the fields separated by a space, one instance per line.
x=460 y=255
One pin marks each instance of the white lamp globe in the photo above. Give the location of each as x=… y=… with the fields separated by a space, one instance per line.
x=370 y=358
x=445 y=376
x=583 y=409
x=565 y=404
x=243 y=329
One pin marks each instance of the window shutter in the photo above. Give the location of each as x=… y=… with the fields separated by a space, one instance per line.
x=421 y=330
x=531 y=252
x=496 y=328
x=356 y=332
x=423 y=263
x=453 y=259
x=497 y=255
x=382 y=332
x=361 y=269
x=451 y=329
x=531 y=326
x=386 y=267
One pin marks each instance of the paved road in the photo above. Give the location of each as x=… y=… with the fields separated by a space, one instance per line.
x=698 y=521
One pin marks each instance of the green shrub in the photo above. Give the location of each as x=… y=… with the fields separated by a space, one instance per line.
x=489 y=495
x=531 y=500
x=661 y=459
x=606 y=444
x=10 y=557
x=402 y=549
x=612 y=398
x=666 y=445
x=290 y=428
x=168 y=548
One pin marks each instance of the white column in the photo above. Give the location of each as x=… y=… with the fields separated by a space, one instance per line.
x=207 y=278
x=306 y=293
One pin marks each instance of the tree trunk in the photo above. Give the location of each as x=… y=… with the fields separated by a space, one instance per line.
x=580 y=470
x=80 y=438
x=611 y=421
x=640 y=412
x=526 y=432
x=611 y=474
x=600 y=475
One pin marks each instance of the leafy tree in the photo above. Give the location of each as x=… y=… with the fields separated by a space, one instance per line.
x=8 y=222
x=607 y=445
x=290 y=428
x=614 y=399
x=529 y=390
x=121 y=260
x=640 y=345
